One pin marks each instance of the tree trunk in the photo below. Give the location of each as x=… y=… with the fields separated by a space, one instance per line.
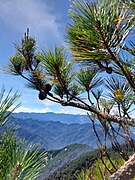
x=126 y=172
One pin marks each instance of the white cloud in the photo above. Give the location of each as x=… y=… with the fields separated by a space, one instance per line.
x=63 y=110
x=34 y=14
x=70 y=110
x=25 y=109
x=48 y=103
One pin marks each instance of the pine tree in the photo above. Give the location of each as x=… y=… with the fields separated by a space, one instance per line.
x=101 y=43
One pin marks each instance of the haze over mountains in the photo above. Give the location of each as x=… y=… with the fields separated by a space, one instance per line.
x=63 y=118
x=55 y=131
x=54 y=134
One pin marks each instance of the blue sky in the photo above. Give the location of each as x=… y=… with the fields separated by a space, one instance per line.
x=47 y=21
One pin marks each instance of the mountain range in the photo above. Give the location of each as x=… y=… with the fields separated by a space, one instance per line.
x=49 y=116
x=54 y=135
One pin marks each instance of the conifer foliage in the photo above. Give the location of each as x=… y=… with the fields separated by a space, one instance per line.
x=17 y=161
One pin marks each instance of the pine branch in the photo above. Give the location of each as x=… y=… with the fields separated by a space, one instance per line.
x=93 y=109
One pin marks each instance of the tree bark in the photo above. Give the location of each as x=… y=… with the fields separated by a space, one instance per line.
x=126 y=172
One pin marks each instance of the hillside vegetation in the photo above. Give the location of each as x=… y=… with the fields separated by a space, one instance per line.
x=59 y=158
x=83 y=163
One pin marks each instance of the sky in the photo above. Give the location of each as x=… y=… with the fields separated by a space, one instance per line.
x=47 y=21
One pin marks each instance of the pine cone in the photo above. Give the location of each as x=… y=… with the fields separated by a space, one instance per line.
x=42 y=96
